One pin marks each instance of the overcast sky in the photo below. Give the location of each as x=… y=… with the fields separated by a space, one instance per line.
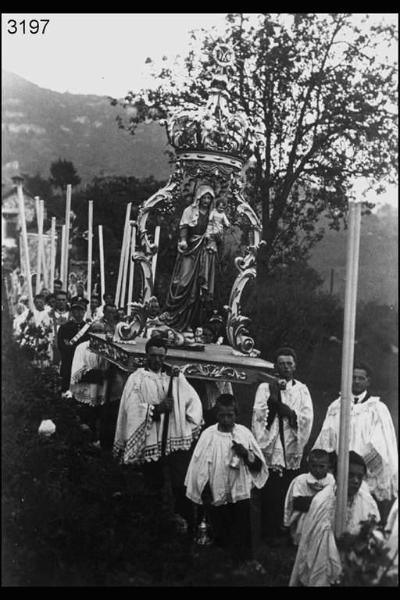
x=104 y=54
x=100 y=54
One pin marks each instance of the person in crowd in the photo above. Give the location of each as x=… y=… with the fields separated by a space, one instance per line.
x=121 y=315
x=57 y=286
x=21 y=309
x=89 y=383
x=70 y=334
x=372 y=435
x=95 y=307
x=281 y=423
x=192 y=281
x=59 y=315
x=80 y=295
x=50 y=302
x=318 y=562
x=302 y=490
x=38 y=322
x=226 y=464
x=159 y=418
x=109 y=319
x=108 y=298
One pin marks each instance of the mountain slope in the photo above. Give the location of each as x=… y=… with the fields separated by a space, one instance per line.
x=40 y=126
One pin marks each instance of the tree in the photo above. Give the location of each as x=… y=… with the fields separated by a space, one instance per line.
x=63 y=173
x=321 y=96
x=322 y=103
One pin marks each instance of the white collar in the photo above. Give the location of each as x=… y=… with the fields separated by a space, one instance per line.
x=360 y=396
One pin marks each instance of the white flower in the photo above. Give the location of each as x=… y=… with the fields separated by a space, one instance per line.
x=47 y=428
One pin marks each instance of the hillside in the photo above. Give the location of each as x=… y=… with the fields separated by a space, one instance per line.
x=40 y=126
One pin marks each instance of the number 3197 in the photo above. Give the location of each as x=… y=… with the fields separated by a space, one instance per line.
x=32 y=26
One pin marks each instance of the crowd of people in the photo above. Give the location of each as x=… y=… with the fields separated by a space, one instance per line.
x=208 y=465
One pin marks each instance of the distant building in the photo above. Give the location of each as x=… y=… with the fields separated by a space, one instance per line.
x=10 y=217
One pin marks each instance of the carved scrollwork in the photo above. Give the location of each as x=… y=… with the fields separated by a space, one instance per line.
x=166 y=194
x=146 y=274
x=128 y=331
x=210 y=371
x=237 y=325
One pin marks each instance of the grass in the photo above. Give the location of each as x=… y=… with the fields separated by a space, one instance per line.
x=73 y=517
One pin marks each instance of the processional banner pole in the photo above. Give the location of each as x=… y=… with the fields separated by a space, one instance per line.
x=62 y=259
x=350 y=303
x=67 y=227
x=90 y=251
x=101 y=251
x=122 y=256
x=52 y=253
x=25 y=243
x=39 y=245
x=43 y=248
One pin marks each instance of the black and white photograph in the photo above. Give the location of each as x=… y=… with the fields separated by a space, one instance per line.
x=199 y=299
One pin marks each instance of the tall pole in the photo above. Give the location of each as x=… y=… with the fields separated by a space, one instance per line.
x=101 y=251
x=45 y=266
x=125 y=267
x=67 y=226
x=52 y=253
x=90 y=249
x=122 y=256
x=25 y=243
x=62 y=258
x=350 y=303
x=39 y=246
x=155 y=255
x=131 y=267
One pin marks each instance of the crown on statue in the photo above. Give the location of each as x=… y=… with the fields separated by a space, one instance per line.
x=217 y=131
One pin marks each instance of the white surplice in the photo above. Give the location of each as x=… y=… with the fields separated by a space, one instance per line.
x=211 y=461
x=298 y=398
x=85 y=360
x=302 y=485
x=372 y=435
x=138 y=436
x=318 y=562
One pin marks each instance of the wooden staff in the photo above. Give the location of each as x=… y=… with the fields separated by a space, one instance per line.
x=62 y=259
x=52 y=253
x=350 y=304
x=39 y=245
x=43 y=248
x=122 y=256
x=155 y=255
x=125 y=266
x=131 y=268
x=67 y=227
x=89 y=260
x=25 y=243
x=101 y=251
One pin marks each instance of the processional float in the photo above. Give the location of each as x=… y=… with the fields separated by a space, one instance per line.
x=212 y=144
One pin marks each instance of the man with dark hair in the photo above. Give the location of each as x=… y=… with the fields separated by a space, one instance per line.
x=70 y=334
x=318 y=561
x=282 y=421
x=57 y=285
x=160 y=415
x=58 y=315
x=372 y=435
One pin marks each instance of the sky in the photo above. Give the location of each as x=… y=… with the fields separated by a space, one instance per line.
x=104 y=53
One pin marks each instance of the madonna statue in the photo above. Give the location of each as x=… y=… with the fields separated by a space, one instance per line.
x=192 y=280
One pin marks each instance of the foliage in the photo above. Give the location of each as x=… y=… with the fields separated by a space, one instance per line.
x=63 y=173
x=36 y=185
x=34 y=339
x=321 y=99
x=295 y=312
x=365 y=557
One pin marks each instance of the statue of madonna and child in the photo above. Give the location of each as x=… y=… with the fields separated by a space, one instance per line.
x=193 y=278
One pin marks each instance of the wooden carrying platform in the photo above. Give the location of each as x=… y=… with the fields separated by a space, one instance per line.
x=215 y=363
